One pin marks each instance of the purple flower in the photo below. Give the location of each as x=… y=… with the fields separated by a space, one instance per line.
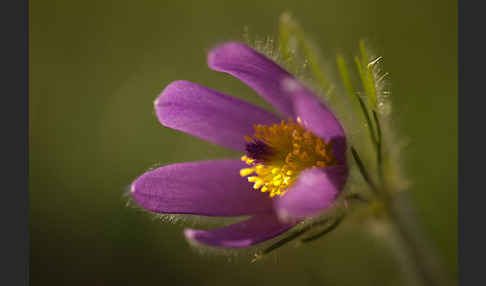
x=293 y=166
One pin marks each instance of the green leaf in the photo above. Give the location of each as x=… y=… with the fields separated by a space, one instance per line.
x=345 y=77
x=354 y=96
x=367 y=76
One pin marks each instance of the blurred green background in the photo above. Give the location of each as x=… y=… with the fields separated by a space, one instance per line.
x=96 y=68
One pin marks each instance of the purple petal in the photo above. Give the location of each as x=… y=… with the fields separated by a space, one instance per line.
x=242 y=234
x=254 y=69
x=209 y=114
x=317 y=117
x=212 y=188
x=314 y=191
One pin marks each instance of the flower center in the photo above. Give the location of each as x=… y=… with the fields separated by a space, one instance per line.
x=278 y=153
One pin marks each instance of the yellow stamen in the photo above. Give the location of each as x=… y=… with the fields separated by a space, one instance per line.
x=258 y=184
x=320 y=164
x=246 y=171
x=294 y=149
x=247 y=160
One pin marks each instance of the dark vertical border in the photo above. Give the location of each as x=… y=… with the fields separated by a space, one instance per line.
x=14 y=23
x=472 y=128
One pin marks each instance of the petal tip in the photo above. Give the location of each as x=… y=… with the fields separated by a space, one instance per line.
x=156 y=101
x=168 y=93
x=256 y=70
x=191 y=237
x=224 y=51
x=174 y=86
x=190 y=234
x=135 y=192
x=132 y=188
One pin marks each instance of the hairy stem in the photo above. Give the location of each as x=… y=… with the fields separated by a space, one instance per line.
x=379 y=143
x=400 y=212
x=426 y=261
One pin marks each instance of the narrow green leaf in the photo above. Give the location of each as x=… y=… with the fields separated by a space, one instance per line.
x=362 y=170
x=368 y=77
x=364 y=108
x=327 y=230
x=379 y=143
x=343 y=71
x=361 y=72
x=284 y=241
x=345 y=77
x=292 y=236
x=362 y=50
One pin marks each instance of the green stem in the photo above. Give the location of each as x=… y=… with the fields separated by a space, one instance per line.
x=422 y=254
x=379 y=151
x=398 y=209
x=363 y=171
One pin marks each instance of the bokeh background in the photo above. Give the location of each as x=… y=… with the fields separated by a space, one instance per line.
x=96 y=68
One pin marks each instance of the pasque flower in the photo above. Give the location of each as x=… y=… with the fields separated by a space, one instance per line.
x=293 y=165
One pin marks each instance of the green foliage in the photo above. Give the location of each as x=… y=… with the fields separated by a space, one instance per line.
x=364 y=67
x=343 y=71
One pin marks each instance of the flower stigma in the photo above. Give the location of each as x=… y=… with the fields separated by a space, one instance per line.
x=278 y=153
